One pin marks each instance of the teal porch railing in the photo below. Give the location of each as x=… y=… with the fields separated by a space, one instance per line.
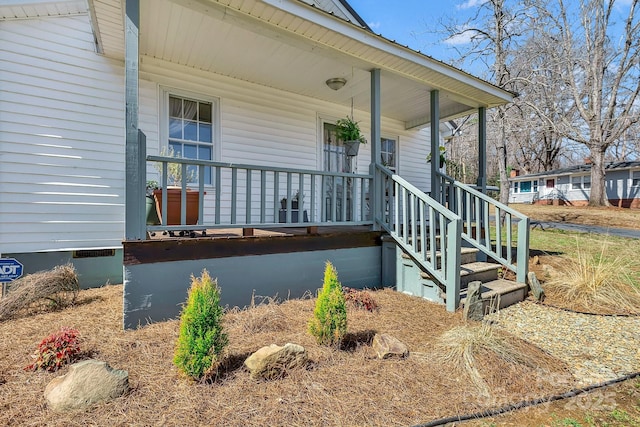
x=485 y=221
x=423 y=228
x=247 y=196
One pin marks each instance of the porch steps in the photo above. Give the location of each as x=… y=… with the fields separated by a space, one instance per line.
x=496 y=292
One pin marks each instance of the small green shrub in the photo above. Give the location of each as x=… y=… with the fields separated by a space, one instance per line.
x=56 y=350
x=201 y=339
x=329 y=322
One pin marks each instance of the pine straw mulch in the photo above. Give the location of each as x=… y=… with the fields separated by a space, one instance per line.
x=339 y=387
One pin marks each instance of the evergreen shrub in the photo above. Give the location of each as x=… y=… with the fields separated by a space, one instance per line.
x=202 y=338
x=329 y=322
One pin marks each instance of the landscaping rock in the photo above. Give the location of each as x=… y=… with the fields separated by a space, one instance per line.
x=274 y=361
x=536 y=287
x=86 y=383
x=387 y=346
x=473 y=306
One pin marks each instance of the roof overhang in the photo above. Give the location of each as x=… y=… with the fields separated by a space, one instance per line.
x=293 y=46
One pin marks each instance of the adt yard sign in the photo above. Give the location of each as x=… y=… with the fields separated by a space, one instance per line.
x=10 y=269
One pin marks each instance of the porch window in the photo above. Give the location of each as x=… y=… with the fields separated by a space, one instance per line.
x=635 y=178
x=388 y=153
x=191 y=129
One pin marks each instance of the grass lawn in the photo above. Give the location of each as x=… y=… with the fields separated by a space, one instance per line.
x=604 y=217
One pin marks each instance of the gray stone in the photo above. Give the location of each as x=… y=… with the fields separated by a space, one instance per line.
x=86 y=383
x=274 y=361
x=387 y=346
x=473 y=306
x=536 y=287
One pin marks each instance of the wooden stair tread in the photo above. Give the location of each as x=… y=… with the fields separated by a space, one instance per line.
x=494 y=288
x=462 y=252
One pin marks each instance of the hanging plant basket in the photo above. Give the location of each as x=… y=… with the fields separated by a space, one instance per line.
x=351 y=148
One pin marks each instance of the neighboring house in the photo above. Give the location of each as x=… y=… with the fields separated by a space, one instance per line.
x=572 y=185
x=248 y=94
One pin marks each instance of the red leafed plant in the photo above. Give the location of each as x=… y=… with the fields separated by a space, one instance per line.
x=360 y=299
x=56 y=350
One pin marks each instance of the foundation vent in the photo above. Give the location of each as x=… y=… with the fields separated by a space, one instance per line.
x=94 y=253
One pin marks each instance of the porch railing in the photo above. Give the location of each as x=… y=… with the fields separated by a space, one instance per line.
x=485 y=220
x=247 y=196
x=422 y=227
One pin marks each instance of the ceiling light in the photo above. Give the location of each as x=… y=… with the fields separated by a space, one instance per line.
x=336 y=83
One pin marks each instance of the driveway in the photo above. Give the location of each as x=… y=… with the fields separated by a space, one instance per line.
x=580 y=228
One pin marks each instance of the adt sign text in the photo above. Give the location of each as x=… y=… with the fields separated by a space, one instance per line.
x=10 y=269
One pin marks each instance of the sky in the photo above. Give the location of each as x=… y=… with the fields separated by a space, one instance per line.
x=407 y=21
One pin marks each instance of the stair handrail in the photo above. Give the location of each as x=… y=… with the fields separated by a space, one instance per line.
x=474 y=208
x=412 y=217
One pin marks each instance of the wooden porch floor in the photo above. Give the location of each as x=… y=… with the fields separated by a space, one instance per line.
x=235 y=233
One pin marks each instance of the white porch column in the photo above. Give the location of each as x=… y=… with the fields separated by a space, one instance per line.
x=375 y=147
x=435 y=146
x=135 y=165
x=482 y=150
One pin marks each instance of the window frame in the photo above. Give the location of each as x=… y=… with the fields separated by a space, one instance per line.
x=396 y=167
x=579 y=183
x=163 y=120
x=635 y=178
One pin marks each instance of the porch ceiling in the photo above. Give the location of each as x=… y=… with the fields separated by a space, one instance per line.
x=295 y=47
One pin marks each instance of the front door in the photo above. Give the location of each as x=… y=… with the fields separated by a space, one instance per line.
x=335 y=207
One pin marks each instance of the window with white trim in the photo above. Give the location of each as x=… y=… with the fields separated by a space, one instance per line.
x=516 y=187
x=635 y=178
x=389 y=153
x=191 y=129
x=581 y=182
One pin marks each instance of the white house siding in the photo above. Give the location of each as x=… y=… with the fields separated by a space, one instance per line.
x=264 y=126
x=61 y=138
x=62 y=133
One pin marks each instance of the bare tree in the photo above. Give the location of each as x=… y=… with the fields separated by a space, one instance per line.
x=493 y=33
x=602 y=75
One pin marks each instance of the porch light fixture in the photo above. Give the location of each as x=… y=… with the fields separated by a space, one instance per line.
x=336 y=83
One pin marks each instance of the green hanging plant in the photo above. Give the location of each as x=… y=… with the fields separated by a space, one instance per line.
x=349 y=130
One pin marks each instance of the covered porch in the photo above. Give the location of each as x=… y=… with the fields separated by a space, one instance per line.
x=291 y=49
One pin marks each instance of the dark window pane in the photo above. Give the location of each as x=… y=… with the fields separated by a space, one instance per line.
x=205 y=112
x=190 y=110
x=190 y=151
x=176 y=149
x=205 y=133
x=204 y=153
x=175 y=107
x=190 y=131
x=175 y=128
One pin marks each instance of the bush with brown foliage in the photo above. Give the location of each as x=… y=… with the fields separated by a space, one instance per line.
x=360 y=299
x=43 y=291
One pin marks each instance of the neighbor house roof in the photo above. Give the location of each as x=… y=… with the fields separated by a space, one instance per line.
x=578 y=169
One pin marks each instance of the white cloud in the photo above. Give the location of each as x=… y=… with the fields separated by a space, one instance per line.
x=374 y=25
x=463 y=37
x=468 y=4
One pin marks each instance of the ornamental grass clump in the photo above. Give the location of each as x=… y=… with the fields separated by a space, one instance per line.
x=201 y=339
x=596 y=282
x=329 y=322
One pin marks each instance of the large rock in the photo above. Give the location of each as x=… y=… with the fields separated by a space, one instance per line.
x=86 y=383
x=474 y=306
x=274 y=361
x=536 y=287
x=387 y=346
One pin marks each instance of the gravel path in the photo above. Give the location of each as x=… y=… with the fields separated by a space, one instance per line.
x=596 y=348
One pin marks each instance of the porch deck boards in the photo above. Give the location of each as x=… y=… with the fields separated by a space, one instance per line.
x=235 y=233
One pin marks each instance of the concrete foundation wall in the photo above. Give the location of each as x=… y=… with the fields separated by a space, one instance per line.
x=93 y=271
x=155 y=291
